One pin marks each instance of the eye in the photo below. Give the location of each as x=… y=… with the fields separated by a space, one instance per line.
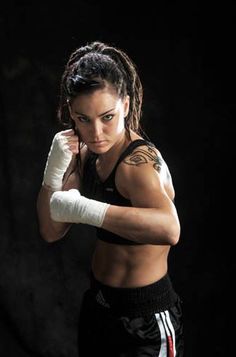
x=108 y=117
x=82 y=119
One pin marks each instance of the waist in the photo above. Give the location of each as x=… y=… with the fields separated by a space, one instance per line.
x=144 y=300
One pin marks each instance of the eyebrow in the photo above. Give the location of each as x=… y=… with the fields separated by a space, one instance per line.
x=100 y=115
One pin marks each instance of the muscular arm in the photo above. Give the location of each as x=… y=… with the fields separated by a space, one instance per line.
x=153 y=218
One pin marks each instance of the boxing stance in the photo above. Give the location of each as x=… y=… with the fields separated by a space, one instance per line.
x=103 y=172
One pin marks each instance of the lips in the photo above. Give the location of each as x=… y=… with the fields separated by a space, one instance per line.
x=97 y=142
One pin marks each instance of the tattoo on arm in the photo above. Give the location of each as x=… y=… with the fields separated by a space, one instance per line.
x=139 y=157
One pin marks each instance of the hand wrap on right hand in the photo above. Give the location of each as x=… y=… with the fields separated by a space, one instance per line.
x=59 y=158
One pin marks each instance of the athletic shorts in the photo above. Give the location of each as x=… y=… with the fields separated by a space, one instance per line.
x=131 y=322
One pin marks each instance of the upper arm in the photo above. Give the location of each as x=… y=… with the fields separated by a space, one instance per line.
x=145 y=180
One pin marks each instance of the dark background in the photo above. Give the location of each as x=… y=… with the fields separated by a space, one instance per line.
x=185 y=56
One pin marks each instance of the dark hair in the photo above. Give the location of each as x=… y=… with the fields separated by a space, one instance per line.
x=92 y=66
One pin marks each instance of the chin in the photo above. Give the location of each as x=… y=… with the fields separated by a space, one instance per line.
x=98 y=151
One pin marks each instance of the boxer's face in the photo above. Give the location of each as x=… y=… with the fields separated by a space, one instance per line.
x=99 y=118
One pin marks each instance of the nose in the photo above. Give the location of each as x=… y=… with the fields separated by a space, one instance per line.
x=96 y=130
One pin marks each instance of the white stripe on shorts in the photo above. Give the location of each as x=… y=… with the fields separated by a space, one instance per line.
x=167 y=333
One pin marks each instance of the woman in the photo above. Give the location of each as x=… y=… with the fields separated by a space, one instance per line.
x=102 y=172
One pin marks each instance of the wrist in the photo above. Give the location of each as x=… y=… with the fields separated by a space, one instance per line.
x=91 y=211
x=70 y=206
x=53 y=178
x=47 y=188
x=58 y=160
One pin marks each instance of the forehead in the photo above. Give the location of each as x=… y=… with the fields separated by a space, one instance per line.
x=103 y=98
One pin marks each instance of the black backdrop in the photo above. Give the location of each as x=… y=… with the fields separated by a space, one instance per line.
x=185 y=57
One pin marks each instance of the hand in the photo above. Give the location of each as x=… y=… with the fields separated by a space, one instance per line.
x=71 y=207
x=64 y=145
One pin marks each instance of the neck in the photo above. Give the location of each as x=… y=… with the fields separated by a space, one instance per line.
x=115 y=150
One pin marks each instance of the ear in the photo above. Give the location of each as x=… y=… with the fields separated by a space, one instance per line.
x=126 y=105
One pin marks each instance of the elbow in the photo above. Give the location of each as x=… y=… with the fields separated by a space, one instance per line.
x=173 y=233
x=168 y=233
x=166 y=236
x=46 y=236
x=49 y=235
x=173 y=228
x=173 y=238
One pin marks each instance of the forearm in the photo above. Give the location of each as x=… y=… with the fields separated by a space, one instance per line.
x=143 y=225
x=59 y=166
x=49 y=229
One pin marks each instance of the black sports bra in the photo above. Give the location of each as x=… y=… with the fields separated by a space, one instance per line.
x=106 y=191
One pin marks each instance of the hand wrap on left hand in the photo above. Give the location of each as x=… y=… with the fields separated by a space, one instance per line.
x=70 y=206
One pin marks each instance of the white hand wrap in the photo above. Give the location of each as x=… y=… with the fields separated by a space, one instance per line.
x=59 y=158
x=70 y=206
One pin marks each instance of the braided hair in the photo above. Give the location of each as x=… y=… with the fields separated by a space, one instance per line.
x=89 y=68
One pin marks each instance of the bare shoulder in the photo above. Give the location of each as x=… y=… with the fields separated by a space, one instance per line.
x=145 y=155
x=146 y=159
x=145 y=168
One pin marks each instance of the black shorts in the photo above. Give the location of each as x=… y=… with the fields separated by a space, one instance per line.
x=131 y=322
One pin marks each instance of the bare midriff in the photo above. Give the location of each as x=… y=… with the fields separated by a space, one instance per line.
x=129 y=266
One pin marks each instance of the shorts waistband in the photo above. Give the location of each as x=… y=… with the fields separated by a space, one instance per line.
x=155 y=297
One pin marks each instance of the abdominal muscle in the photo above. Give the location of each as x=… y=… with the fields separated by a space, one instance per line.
x=129 y=266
